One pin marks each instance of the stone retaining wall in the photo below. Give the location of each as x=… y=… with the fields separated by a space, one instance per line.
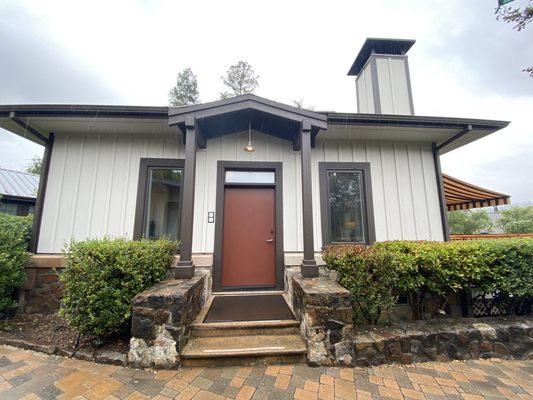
x=42 y=291
x=443 y=340
x=325 y=314
x=161 y=320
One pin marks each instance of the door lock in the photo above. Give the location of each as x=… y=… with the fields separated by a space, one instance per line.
x=269 y=240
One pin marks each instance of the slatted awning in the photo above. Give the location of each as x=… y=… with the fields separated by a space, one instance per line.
x=461 y=195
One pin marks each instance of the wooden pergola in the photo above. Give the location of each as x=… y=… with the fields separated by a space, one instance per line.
x=462 y=195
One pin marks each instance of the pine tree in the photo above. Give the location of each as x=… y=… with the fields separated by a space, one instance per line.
x=240 y=79
x=185 y=91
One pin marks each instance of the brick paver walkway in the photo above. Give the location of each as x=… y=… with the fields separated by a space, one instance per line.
x=30 y=375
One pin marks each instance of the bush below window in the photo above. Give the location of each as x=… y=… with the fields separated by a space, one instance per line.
x=14 y=238
x=102 y=277
x=430 y=272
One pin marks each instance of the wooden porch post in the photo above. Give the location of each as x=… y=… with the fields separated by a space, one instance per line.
x=185 y=267
x=308 y=268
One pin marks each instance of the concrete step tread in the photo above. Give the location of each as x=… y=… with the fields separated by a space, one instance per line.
x=245 y=324
x=243 y=346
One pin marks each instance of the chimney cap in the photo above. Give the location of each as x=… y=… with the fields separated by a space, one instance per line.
x=380 y=46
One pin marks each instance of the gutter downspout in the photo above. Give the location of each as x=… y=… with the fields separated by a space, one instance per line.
x=440 y=184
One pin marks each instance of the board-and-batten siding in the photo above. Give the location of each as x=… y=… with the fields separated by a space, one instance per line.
x=404 y=187
x=92 y=185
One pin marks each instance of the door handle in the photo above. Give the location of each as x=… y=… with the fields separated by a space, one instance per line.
x=269 y=240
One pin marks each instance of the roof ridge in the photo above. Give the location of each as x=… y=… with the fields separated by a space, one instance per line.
x=19 y=172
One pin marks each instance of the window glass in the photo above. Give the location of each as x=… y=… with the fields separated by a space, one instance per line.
x=346 y=206
x=250 y=177
x=8 y=208
x=163 y=203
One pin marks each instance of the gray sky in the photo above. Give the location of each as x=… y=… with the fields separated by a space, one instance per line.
x=464 y=64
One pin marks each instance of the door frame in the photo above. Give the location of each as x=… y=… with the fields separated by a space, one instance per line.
x=222 y=167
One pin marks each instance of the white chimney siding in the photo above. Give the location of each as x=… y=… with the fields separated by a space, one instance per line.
x=383 y=84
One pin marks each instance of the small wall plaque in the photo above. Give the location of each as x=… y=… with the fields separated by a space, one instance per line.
x=210 y=217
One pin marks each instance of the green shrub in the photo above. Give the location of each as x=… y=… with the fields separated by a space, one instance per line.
x=14 y=238
x=366 y=272
x=429 y=272
x=103 y=275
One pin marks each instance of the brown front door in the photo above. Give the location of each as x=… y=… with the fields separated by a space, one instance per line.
x=249 y=243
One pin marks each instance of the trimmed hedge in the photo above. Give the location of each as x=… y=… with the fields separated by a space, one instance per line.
x=102 y=277
x=430 y=271
x=15 y=234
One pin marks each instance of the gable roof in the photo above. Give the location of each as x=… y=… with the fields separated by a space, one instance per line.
x=18 y=184
x=462 y=195
x=178 y=115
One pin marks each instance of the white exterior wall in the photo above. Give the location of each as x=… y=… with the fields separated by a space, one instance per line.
x=92 y=185
x=394 y=88
x=365 y=92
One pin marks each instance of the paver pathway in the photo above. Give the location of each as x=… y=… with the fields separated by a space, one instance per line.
x=31 y=375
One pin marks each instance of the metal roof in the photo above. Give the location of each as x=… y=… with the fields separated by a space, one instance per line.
x=462 y=195
x=18 y=184
x=379 y=46
x=102 y=119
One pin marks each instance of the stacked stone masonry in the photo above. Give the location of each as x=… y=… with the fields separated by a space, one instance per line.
x=42 y=291
x=325 y=314
x=444 y=340
x=161 y=320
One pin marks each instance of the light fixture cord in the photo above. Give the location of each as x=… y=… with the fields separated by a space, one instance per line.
x=249 y=133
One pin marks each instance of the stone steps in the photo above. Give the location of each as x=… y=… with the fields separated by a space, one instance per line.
x=243 y=343
x=222 y=329
x=244 y=350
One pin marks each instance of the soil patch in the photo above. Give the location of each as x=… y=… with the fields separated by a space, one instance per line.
x=51 y=330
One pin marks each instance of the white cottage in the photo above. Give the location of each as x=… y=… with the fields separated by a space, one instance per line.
x=248 y=185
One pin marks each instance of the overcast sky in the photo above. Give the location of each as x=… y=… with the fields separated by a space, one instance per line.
x=464 y=63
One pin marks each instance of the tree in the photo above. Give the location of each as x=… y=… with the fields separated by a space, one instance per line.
x=185 y=91
x=300 y=104
x=518 y=16
x=469 y=222
x=517 y=220
x=35 y=166
x=240 y=79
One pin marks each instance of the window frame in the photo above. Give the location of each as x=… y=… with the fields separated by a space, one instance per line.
x=145 y=165
x=368 y=207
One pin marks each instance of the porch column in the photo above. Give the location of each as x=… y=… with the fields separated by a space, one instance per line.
x=308 y=268
x=185 y=267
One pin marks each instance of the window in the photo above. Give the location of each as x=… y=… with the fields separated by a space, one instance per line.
x=259 y=177
x=346 y=203
x=158 y=212
x=8 y=208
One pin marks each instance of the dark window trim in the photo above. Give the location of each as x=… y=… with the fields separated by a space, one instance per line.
x=140 y=207
x=364 y=167
x=222 y=166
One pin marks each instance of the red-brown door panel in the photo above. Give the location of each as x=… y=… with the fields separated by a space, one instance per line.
x=249 y=243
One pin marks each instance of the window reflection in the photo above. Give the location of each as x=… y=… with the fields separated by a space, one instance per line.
x=346 y=206
x=163 y=203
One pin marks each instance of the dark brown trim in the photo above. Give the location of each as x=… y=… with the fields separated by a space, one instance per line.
x=27 y=128
x=140 y=208
x=308 y=267
x=448 y=141
x=185 y=263
x=222 y=167
x=440 y=189
x=41 y=194
x=368 y=206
